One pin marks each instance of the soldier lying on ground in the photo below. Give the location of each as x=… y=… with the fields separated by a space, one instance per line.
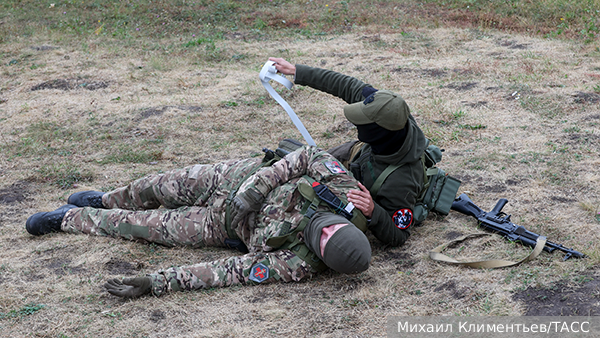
x=389 y=137
x=269 y=210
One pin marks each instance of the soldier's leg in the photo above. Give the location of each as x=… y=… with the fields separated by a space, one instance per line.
x=189 y=186
x=194 y=226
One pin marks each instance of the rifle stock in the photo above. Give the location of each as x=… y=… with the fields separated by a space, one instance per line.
x=497 y=222
x=464 y=205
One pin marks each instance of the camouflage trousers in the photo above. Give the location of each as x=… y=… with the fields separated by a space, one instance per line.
x=194 y=206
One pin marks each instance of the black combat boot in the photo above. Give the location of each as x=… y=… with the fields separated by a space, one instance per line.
x=43 y=223
x=87 y=198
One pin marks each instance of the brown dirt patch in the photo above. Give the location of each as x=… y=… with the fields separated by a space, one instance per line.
x=477 y=104
x=156 y=316
x=454 y=289
x=117 y=266
x=450 y=235
x=61 y=266
x=563 y=298
x=44 y=48
x=581 y=97
x=70 y=84
x=17 y=192
x=399 y=259
x=462 y=86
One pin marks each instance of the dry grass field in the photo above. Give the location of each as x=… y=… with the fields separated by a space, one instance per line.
x=517 y=114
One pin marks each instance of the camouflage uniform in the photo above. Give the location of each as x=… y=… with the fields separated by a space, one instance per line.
x=194 y=201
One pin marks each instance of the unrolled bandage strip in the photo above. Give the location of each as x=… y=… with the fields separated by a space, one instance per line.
x=268 y=73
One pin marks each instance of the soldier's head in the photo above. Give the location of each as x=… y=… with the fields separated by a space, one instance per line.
x=338 y=243
x=380 y=119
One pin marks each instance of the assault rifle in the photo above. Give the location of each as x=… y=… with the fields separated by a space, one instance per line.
x=499 y=222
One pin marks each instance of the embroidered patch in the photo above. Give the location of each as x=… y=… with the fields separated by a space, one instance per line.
x=369 y=99
x=335 y=167
x=403 y=218
x=259 y=273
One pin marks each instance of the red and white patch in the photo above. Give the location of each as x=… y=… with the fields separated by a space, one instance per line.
x=403 y=218
x=335 y=167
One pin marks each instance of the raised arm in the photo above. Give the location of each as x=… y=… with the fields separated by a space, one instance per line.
x=346 y=87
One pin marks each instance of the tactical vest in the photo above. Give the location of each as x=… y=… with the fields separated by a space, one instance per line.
x=295 y=242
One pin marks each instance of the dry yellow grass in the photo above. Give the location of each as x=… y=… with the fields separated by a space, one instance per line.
x=539 y=149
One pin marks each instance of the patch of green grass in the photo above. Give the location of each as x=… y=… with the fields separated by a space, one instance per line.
x=472 y=127
x=63 y=175
x=26 y=310
x=551 y=18
x=138 y=21
x=458 y=114
x=126 y=153
x=142 y=19
x=43 y=139
x=529 y=157
x=544 y=107
x=477 y=163
x=574 y=129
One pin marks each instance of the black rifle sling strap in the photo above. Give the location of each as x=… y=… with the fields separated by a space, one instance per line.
x=437 y=255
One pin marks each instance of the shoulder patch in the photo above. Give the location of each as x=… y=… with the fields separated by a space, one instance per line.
x=335 y=167
x=403 y=218
x=259 y=273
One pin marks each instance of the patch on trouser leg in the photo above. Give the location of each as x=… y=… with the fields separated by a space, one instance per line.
x=131 y=231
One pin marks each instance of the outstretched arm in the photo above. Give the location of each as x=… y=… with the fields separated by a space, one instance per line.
x=348 y=88
x=249 y=269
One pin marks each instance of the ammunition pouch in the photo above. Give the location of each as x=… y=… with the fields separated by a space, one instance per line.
x=439 y=189
x=439 y=193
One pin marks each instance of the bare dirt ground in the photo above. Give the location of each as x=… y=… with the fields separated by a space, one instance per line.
x=518 y=117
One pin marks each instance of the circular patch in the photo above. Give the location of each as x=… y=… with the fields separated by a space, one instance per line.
x=403 y=218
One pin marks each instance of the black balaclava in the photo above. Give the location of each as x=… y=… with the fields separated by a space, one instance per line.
x=381 y=140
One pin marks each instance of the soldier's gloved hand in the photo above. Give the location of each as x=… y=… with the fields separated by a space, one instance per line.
x=129 y=287
x=243 y=204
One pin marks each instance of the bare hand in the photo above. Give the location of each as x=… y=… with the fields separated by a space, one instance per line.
x=283 y=66
x=362 y=200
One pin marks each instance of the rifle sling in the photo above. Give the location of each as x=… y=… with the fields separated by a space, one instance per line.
x=437 y=255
